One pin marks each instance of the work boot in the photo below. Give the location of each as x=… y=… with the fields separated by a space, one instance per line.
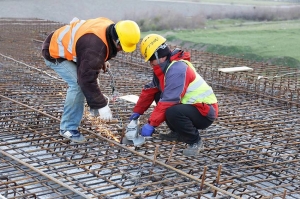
x=172 y=136
x=193 y=149
x=72 y=135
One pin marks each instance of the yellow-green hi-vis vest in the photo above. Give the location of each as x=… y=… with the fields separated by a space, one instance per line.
x=198 y=91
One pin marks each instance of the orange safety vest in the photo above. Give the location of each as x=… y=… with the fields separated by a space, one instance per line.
x=64 y=39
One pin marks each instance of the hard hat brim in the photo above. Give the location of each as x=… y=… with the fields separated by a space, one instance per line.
x=128 y=49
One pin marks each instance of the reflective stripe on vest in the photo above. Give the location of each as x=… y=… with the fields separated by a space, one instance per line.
x=198 y=90
x=64 y=39
x=75 y=29
x=61 y=51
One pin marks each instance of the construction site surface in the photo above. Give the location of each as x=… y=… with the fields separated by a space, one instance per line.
x=251 y=151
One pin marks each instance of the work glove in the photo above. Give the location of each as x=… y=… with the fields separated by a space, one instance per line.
x=106 y=66
x=147 y=130
x=134 y=116
x=105 y=113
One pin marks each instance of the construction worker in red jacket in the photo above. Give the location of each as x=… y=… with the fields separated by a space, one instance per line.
x=184 y=100
x=77 y=52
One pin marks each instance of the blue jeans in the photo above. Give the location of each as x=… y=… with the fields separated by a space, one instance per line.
x=74 y=102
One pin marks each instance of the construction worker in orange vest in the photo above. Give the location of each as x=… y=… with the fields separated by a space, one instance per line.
x=77 y=52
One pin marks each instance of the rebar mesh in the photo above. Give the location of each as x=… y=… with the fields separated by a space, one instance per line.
x=251 y=150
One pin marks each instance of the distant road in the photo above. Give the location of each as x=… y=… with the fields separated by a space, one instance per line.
x=64 y=11
x=233 y=2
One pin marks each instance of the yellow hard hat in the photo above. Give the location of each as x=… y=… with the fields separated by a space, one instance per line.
x=150 y=44
x=129 y=34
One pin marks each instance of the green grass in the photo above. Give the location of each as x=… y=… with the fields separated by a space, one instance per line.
x=261 y=41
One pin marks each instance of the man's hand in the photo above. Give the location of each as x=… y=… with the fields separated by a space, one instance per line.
x=104 y=113
x=147 y=130
x=106 y=65
x=134 y=116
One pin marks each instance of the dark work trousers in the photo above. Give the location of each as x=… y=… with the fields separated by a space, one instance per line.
x=185 y=119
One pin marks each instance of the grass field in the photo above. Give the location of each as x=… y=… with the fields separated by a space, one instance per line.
x=277 y=41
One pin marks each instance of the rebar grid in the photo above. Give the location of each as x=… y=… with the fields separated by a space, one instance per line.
x=251 y=151
x=98 y=168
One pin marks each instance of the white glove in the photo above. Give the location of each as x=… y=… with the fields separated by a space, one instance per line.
x=106 y=66
x=105 y=113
